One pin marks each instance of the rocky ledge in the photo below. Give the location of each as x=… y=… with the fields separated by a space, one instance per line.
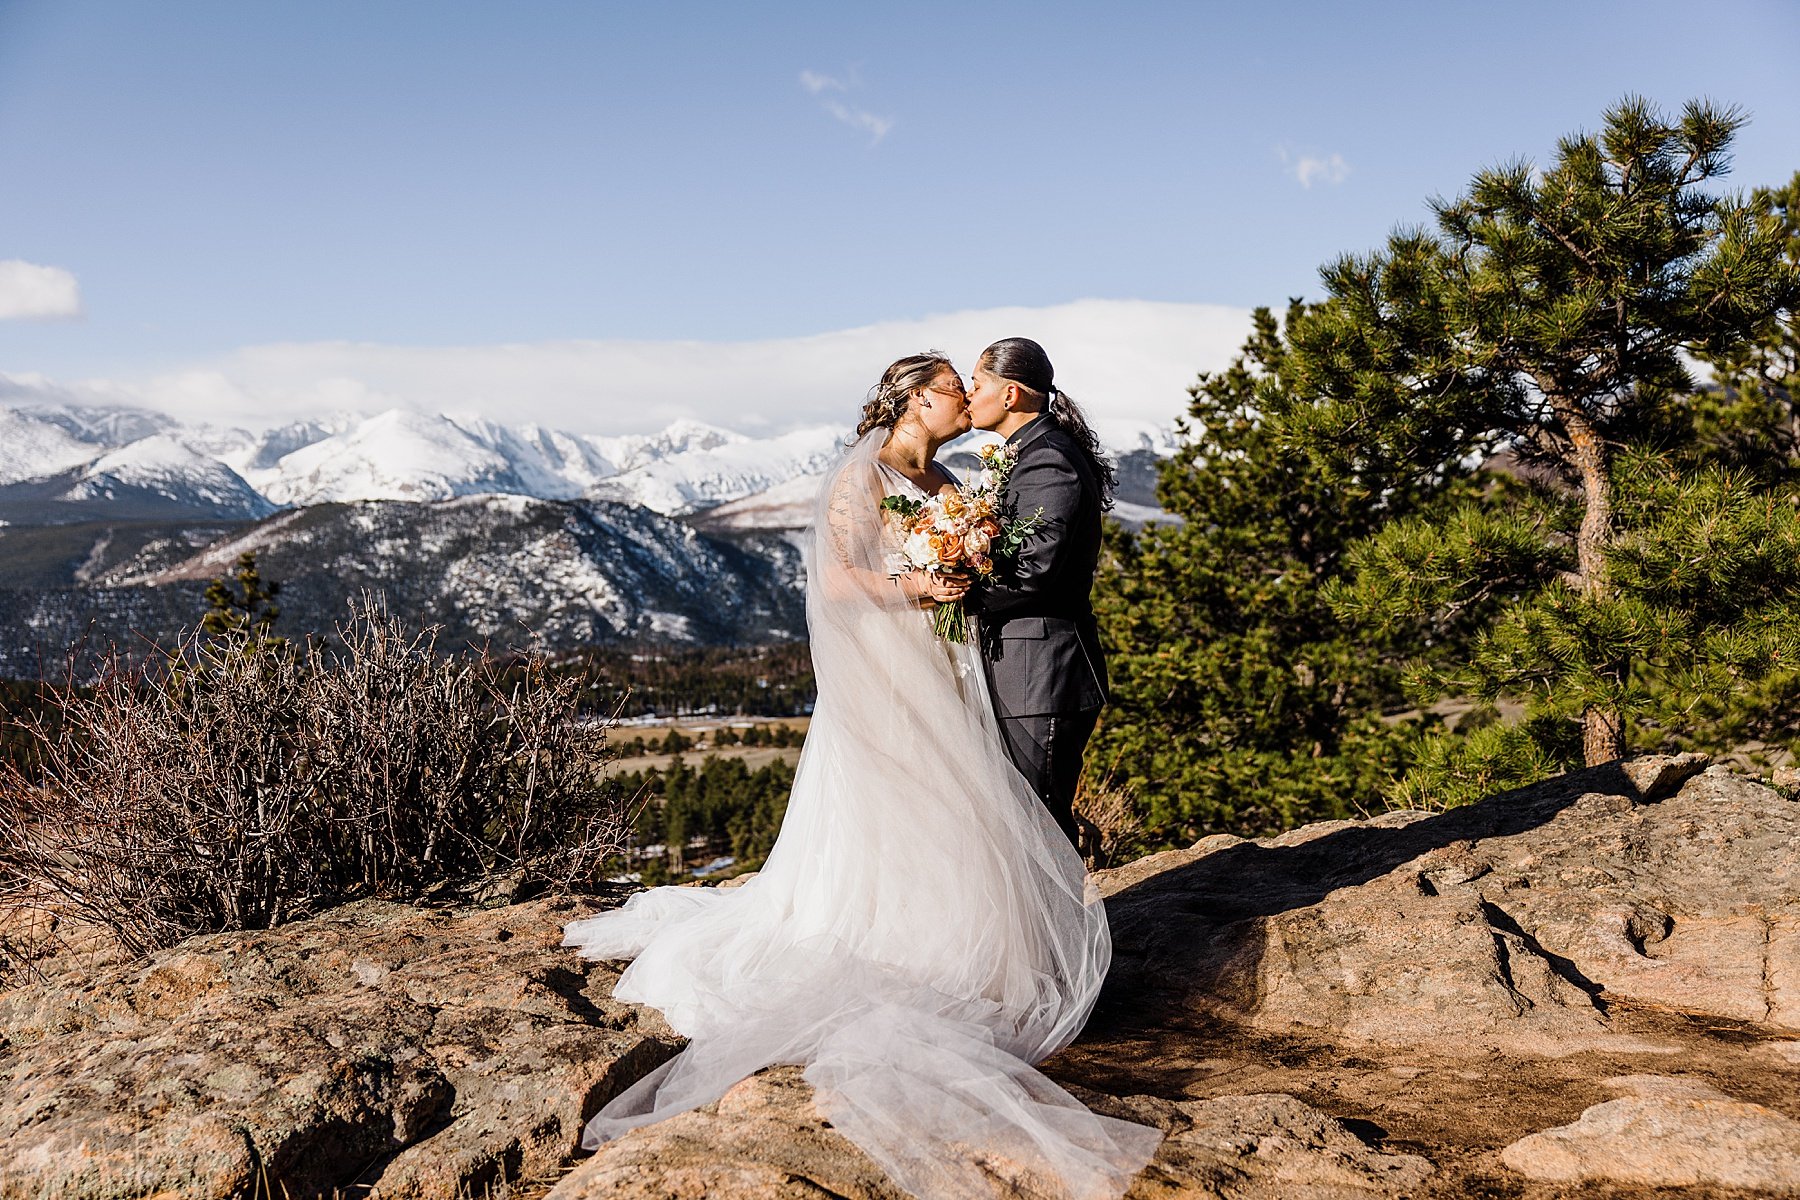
x=1588 y=988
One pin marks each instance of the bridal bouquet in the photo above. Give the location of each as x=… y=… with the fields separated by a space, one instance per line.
x=961 y=530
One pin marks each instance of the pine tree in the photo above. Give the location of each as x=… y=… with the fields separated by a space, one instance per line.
x=246 y=611
x=1240 y=702
x=1749 y=418
x=1544 y=322
x=1746 y=422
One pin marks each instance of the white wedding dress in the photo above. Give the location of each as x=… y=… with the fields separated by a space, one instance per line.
x=921 y=933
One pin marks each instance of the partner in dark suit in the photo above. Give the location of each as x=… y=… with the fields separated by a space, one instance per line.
x=1039 y=641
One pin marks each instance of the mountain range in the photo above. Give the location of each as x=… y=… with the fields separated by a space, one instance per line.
x=70 y=463
x=113 y=519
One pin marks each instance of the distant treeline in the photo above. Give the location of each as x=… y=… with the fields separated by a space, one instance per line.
x=696 y=815
x=763 y=681
x=677 y=742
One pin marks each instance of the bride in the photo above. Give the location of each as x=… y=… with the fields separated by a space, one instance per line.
x=922 y=931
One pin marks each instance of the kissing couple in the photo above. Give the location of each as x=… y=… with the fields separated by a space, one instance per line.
x=923 y=931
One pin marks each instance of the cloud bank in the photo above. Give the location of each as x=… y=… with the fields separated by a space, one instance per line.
x=32 y=292
x=1129 y=363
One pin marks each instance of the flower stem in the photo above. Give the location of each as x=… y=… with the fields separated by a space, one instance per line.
x=951 y=623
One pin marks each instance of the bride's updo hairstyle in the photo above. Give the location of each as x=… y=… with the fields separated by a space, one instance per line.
x=899 y=384
x=1023 y=361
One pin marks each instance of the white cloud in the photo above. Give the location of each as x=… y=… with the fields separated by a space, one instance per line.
x=860 y=118
x=1309 y=169
x=28 y=291
x=1128 y=362
x=821 y=85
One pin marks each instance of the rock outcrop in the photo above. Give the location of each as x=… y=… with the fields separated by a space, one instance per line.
x=1514 y=922
x=1594 y=983
x=432 y=1051
x=1667 y=1133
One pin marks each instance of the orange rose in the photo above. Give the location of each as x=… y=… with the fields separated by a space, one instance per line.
x=953 y=550
x=922 y=525
x=989 y=526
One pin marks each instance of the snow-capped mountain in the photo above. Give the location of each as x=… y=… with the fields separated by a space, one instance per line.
x=680 y=437
x=486 y=570
x=158 y=478
x=787 y=505
x=494 y=567
x=394 y=455
x=1122 y=437
x=704 y=476
x=102 y=425
x=165 y=467
x=30 y=447
x=247 y=452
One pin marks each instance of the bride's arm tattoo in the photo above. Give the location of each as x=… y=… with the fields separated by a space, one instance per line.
x=854 y=537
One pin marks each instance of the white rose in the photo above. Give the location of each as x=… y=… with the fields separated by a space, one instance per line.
x=918 y=550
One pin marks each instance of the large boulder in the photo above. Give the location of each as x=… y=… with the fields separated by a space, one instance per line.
x=1514 y=923
x=1667 y=1132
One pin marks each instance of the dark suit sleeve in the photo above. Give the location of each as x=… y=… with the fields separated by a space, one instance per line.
x=1049 y=481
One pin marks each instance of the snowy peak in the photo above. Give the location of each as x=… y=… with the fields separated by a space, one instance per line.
x=30 y=447
x=109 y=426
x=395 y=455
x=550 y=464
x=683 y=437
x=164 y=469
x=690 y=480
x=786 y=506
x=403 y=455
x=246 y=452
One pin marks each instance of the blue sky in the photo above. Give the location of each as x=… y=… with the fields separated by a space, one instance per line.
x=224 y=176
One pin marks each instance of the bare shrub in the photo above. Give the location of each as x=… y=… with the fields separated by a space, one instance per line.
x=239 y=784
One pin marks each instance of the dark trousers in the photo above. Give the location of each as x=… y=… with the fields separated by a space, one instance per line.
x=1047 y=750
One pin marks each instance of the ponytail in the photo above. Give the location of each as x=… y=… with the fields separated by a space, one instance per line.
x=1068 y=417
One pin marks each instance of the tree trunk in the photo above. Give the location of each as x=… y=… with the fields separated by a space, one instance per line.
x=1603 y=729
x=1602 y=736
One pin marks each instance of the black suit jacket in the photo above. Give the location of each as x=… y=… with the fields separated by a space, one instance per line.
x=1039 y=640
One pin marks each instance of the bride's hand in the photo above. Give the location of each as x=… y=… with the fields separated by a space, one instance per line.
x=948 y=587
